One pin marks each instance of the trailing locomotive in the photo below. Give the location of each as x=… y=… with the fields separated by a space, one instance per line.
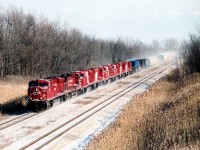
x=42 y=93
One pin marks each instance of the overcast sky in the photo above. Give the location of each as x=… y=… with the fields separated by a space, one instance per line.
x=145 y=20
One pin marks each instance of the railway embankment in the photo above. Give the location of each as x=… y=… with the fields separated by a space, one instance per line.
x=167 y=116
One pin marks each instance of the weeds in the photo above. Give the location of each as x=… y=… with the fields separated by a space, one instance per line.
x=13 y=94
x=14 y=106
x=165 y=117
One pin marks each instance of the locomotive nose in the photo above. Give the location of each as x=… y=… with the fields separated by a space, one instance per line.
x=36 y=93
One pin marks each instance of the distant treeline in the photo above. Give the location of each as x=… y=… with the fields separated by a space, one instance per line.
x=32 y=46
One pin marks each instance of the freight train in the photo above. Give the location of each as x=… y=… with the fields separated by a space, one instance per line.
x=42 y=93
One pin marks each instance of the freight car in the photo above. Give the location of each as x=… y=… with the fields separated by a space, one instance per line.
x=43 y=93
x=134 y=64
x=138 y=64
x=144 y=63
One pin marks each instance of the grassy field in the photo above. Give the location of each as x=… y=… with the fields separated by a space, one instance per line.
x=12 y=87
x=13 y=94
x=165 y=117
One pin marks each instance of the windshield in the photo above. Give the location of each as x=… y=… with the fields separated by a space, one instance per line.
x=81 y=75
x=33 y=83
x=43 y=84
x=66 y=75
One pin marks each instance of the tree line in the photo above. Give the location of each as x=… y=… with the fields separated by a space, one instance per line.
x=32 y=46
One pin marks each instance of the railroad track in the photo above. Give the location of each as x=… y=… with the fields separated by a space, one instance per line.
x=52 y=135
x=16 y=120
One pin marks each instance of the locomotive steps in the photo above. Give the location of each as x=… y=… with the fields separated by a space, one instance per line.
x=31 y=129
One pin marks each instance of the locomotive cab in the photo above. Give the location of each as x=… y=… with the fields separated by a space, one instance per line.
x=38 y=89
x=101 y=73
x=38 y=94
x=83 y=77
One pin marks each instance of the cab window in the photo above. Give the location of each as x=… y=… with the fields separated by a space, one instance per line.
x=81 y=75
x=33 y=83
x=43 y=84
x=77 y=76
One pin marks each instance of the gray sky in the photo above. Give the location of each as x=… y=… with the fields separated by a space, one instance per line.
x=145 y=20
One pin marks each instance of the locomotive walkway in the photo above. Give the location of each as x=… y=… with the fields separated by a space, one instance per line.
x=74 y=122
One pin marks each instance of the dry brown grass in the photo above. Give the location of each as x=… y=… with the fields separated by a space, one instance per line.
x=13 y=94
x=13 y=87
x=165 y=117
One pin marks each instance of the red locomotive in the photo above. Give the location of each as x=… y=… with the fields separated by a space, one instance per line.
x=42 y=93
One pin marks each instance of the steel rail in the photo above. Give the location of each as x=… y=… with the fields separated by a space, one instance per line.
x=16 y=121
x=131 y=87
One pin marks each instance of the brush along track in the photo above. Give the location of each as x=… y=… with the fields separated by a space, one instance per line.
x=16 y=120
x=52 y=135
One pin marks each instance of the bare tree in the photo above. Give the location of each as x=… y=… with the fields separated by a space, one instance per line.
x=191 y=54
x=171 y=44
x=1 y=46
x=31 y=46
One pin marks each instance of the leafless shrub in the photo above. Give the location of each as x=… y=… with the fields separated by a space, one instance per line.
x=191 y=54
x=165 y=117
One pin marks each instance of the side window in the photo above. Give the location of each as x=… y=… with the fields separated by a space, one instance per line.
x=77 y=76
x=43 y=84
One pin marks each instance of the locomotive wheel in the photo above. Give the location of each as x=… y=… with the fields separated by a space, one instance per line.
x=69 y=95
x=84 y=90
x=63 y=98
x=51 y=103
x=118 y=76
x=79 y=92
x=93 y=87
x=97 y=85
